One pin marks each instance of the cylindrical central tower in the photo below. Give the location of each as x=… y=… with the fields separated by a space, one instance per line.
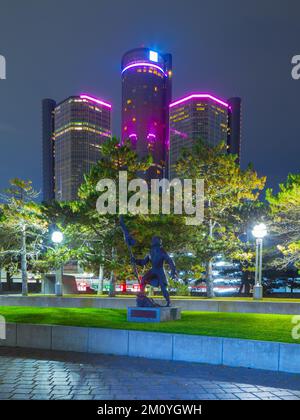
x=146 y=95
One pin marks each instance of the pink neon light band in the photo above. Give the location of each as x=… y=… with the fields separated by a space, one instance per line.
x=97 y=101
x=143 y=64
x=199 y=95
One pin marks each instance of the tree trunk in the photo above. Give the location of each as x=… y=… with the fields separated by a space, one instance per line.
x=113 y=280
x=112 y=285
x=9 y=281
x=209 y=280
x=24 y=263
x=100 y=280
x=209 y=276
x=1 y=280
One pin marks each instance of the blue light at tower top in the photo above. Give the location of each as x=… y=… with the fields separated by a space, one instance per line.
x=153 y=56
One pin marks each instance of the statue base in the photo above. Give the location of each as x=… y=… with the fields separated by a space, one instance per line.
x=156 y=314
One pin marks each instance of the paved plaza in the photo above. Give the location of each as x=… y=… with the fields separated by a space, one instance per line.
x=36 y=374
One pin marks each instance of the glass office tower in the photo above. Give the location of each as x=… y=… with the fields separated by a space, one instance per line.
x=234 y=125
x=48 y=107
x=81 y=124
x=200 y=116
x=146 y=95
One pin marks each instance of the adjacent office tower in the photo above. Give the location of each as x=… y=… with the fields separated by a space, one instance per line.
x=48 y=106
x=146 y=95
x=80 y=125
x=203 y=116
x=234 y=126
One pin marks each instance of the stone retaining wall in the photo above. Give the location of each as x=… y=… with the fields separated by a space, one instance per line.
x=190 y=348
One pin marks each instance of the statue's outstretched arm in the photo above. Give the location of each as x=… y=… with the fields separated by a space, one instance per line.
x=143 y=261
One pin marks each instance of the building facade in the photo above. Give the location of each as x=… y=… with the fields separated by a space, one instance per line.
x=48 y=107
x=146 y=95
x=201 y=116
x=81 y=124
x=234 y=126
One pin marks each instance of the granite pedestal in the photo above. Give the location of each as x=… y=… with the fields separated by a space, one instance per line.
x=157 y=314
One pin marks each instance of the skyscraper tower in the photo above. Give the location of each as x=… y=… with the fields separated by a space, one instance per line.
x=234 y=124
x=196 y=116
x=82 y=124
x=48 y=106
x=146 y=95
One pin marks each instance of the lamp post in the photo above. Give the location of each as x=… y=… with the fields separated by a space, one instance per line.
x=57 y=238
x=259 y=232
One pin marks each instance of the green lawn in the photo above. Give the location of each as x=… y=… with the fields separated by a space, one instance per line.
x=234 y=325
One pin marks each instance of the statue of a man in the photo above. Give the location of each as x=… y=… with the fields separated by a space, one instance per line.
x=156 y=276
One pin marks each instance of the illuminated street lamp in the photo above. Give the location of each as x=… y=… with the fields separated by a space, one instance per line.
x=259 y=232
x=57 y=237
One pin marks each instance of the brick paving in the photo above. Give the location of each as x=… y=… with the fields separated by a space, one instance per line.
x=36 y=374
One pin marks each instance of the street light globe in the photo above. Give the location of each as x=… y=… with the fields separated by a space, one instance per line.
x=57 y=237
x=259 y=231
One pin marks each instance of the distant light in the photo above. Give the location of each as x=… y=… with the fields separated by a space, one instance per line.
x=220 y=264
x=259 y=231
x=57 y=237
x=153 y=56
x=199 y=95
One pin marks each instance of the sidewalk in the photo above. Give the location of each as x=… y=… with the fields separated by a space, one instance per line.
x=35 y=374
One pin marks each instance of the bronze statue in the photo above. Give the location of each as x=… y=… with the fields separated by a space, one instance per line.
x=156 y=276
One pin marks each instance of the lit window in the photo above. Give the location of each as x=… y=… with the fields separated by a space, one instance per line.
x=134 y=119
x=155 y=88
x=129 y=101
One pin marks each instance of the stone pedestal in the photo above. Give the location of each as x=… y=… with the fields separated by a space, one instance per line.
x=159 y=314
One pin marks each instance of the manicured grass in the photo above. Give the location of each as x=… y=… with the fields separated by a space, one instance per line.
x=234 y=325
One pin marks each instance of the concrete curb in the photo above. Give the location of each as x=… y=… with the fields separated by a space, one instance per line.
x=288 y=308
x=281 y=357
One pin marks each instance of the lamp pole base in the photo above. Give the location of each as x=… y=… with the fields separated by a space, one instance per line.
x=257 y=292
x=58 y=289
x=58 y=282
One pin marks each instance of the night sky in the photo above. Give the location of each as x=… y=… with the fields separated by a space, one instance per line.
x=58 y=48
